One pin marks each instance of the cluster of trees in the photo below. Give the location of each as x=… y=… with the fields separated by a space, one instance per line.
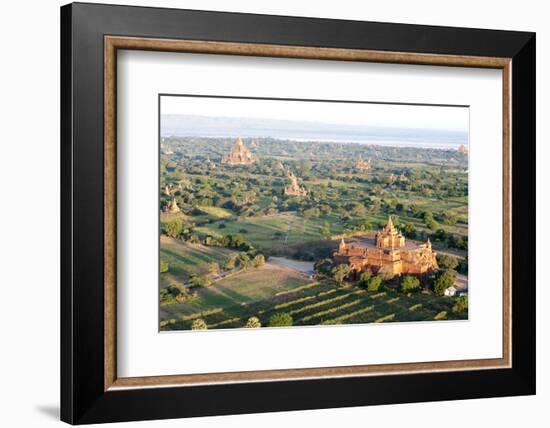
x=439 y=282
x=451 y=262
x=452 y=241
x=369 y=281
x=372 y=282
x=246 y=194
x=200 y=324
x=443 y=280
x=244 y=260
x=175 y=293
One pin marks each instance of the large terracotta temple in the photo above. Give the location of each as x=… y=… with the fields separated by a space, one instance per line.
x=240 y=155
x=388 y=250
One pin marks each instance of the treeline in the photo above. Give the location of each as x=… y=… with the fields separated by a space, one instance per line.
x=435 y=282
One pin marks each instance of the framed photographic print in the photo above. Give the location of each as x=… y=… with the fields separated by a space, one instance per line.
x=266 y=213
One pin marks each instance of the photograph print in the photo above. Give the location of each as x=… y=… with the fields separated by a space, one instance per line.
x=293 y=213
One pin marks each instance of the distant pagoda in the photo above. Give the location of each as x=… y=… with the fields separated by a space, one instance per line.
x=166 y=150
x=361 y=164
x=172 y=207
x=240 y=155
x=293 y=189
x=463 y=150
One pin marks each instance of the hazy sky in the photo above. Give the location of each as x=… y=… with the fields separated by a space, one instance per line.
x=376 y=115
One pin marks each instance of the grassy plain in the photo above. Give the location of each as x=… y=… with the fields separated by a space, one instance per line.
x=187 y=259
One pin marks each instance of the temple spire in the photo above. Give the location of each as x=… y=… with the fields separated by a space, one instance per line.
x=342 y=244
x=390 y=226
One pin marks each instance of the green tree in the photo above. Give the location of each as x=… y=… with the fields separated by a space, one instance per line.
x=199 y=324
x=449 y=218
x=365 y=225
x=364 y=278
x=281 y=319
x=340 y=272
x=374 y=283
x=163 y=266
x=231 y=262
x=356 y=209
x=200 y=281
x=409 y=230
x=444 y=280
x=312 y=212
x=253 y=322
x=244 y=260
x=461 y=304
x=213 y=268
x=447 y=262
x=323 y=266
x=326 y=230
x=431 y=224
x=174 y=228
x=304 y=167
x=410 y=283
x=174 y=293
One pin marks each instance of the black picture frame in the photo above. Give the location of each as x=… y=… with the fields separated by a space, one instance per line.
x=83 y=398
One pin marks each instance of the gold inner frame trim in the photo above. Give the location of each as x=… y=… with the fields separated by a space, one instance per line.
x=113 y=43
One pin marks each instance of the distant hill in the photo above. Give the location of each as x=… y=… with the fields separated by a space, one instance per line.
x=206 y=126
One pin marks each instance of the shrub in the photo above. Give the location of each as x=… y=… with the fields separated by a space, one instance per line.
x=431 y=224
x=323 y=266
x=312 y=212
x=441 y=315
x=253 y=322
x=374 y=283
x=200 y=281
x=199 y=324
x=410 y=283
x=409 y=230
x=174 y=228
x=174 y=293
x=461 y=304
x=281 y=319
x=364 y=278
x=230 y=263
x=213 y=268
x=163 y=266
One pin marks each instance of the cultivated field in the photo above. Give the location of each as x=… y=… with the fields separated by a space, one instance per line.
x=271 y=289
